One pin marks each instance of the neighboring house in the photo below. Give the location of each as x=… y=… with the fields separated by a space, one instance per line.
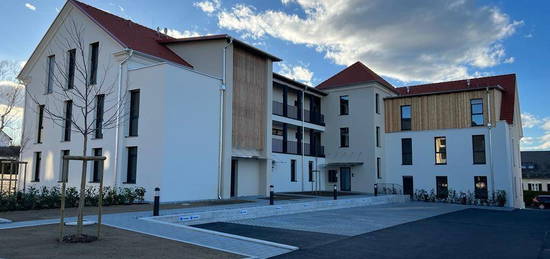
x=535 y=167
x=5 y=139
x=8 y=171
x=209 y=119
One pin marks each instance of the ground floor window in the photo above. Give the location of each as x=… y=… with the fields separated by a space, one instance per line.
x=332 y=178
x=310 y=170
x=293 y=170
x=64 y=176
x=442 y=187
x=132 y=165
x=37 y=161
x=480 y=183
x=97 y=165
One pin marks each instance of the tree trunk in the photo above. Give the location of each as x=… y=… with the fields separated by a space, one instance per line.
x=82 y=190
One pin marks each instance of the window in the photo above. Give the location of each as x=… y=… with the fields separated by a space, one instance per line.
x=406 y=151
x=50 y=79
x=476 y=107
x=377 y=100
x=344 y=137
x=71 y=68
x=293 y=170
x=344 y=105
x=310 y=170
x=378 y=136
x=480 y=184
x=548 y=187
x=64 y=175
x=332 y=176
x=132 y=165
x=37 y=161
x=40 y=124
x=94 y=55
x=442 y=187
x=277 y=132
x=529 y=187
x=378 y=169
x=99 y=110
x=98 y=166
x=134 y=113
x=440 y=150
x=478 y=147
x=406 y=117
x=68 y=120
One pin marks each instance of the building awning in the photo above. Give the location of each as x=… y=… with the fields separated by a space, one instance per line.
x=342 y=164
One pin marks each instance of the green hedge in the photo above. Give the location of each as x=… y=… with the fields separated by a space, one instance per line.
x=529 y=195
x=50 y=198
x=497 y=198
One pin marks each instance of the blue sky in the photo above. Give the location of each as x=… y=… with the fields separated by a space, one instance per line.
x=407 y=42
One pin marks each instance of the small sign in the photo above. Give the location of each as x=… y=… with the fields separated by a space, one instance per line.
x=189 y=217
x=244 y=212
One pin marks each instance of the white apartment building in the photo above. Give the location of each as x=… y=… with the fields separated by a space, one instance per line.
x=206 y=118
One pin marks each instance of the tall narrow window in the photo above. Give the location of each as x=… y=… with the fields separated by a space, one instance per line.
x=134 y=113
x=98 y=166
x=37 y=162
x=378 y=136
x=478 y=146
x=476 y=107
x=442 y=187
x=440 y=150
x=344 y=105
x=377 y=100
x=406 y=117
x=310 y=170
x=68 y=120
x=64 y=174
x=40 y=124
x=51 y=69
x=480 y=184
x=94 y=56
x=99 y=109
x=378 y=169
x=132 y=165
x=332 y=176
x=344 y=137
x=71 y=68
x=406 y=151
x=293 y=170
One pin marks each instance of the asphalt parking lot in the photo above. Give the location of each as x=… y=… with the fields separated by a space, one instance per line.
x=412 y=230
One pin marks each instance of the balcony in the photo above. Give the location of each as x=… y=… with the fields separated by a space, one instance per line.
x=294 y=113
x=292 y=147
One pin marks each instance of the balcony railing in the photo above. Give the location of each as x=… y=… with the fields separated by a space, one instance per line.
x=292 y=147
x=293 y=112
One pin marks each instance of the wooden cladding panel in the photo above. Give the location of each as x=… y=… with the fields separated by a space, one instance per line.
x=440 y=111
x=249 y=100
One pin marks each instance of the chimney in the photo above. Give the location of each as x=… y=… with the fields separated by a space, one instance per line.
x=165 y=31
x=408 y=89
x=468 y=82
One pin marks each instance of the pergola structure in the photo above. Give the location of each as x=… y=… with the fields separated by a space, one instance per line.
x=12 y=172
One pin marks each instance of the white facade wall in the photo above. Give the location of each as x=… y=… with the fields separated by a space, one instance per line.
x=281 y=174
x=362 y=121
x=460 y=169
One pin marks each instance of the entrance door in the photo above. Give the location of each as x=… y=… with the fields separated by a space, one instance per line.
x=234 y=165
x=408 y=185
x=345 y=179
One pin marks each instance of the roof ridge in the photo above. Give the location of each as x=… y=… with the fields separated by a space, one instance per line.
x=458 y=80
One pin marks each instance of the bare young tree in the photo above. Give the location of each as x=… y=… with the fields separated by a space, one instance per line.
x=75 y=91
x=11 y=95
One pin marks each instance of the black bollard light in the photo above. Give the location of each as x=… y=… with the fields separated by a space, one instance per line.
x=271 y=194
x=157 y=202
x=375 y=189
x=335 y=193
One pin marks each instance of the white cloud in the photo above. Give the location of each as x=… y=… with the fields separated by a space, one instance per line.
x=529 y=120
x=182 y=34
x=530 y=35
x=298 y=73
x=541 y=142
x=407 y=41
x=30 y=6
x=208 y=6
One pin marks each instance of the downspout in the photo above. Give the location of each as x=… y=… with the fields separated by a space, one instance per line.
x=302 y=136
x=222 y=96
x=490 y=126
x=119 y=94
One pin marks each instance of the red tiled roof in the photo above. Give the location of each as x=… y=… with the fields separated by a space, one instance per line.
x=354 y=74
x=131 y=35
x=507 y=82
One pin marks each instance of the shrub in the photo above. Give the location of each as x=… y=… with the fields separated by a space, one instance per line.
x=48 y=198
x=466 y=198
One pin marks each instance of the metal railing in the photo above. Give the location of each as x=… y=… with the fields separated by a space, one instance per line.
x=390 y=188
